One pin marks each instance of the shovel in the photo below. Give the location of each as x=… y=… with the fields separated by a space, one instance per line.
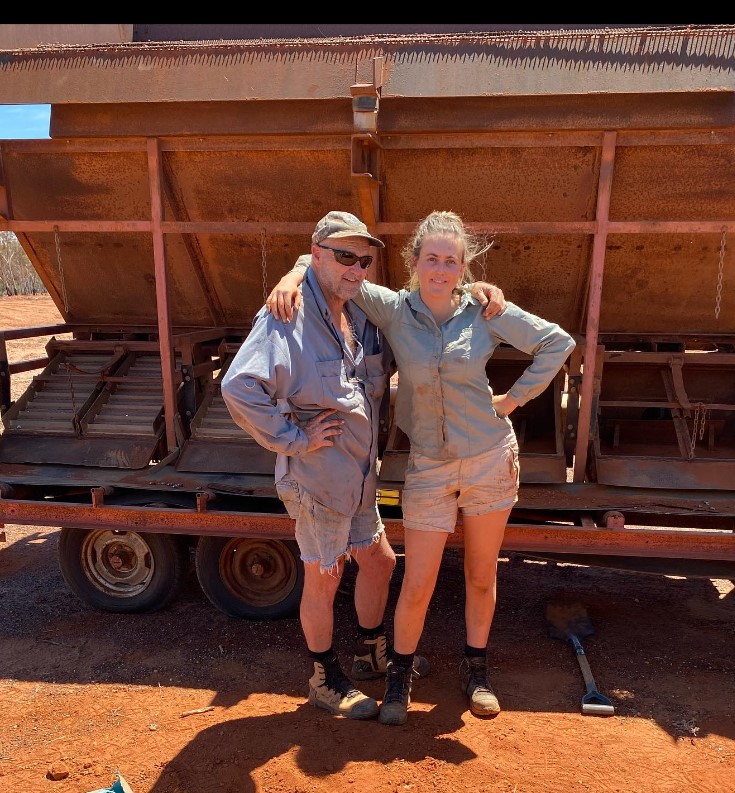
x=569 y=621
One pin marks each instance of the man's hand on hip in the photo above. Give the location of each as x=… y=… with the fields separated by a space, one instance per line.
x=321 y=429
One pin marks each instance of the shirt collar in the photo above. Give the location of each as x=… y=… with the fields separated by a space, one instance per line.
x=357 y=315
x=417 y=304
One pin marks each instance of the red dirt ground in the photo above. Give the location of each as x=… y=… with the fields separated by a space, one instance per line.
x=97 y=693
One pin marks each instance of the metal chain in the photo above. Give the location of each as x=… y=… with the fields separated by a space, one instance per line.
x=57 y=241
x=720 y=274
x=481 y=261
x=695 y=430
x=263 y=264
x=703 y=421
x=75 y=417
x=701 y=416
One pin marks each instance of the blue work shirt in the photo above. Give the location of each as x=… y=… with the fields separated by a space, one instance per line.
x=286 y=373
x=444 y=400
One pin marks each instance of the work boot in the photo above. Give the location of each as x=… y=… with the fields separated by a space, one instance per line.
x=483 y=701
x=371 y=660
x=338 y=695
x=397 y=697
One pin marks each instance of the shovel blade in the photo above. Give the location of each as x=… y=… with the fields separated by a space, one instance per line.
x=568 y=619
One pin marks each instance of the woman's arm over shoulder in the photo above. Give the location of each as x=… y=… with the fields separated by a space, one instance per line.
x=379 y=303
x=285 y=297
x=548 y=343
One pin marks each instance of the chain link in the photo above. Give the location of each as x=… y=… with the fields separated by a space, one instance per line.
x=703 y=421
x=75 y=418
x=482 y=260
x=263 y=264
x=720 y=274
x=57 y=241
x=695 y=429
x=701 y=416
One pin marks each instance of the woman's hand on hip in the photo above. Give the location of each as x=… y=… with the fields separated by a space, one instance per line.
x=504 y=404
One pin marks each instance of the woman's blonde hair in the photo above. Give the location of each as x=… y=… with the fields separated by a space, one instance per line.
x=448 y=224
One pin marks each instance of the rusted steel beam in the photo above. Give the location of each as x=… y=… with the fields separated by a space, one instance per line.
x=660 y=543
x=421 y=140
x=21 y=226
x=654 y=542
x=623 y=403
x=168 y=364
x=29 y=333
x=690 y=358
x=107 y=345
x=27 y=365
x=594 y=298
x=549 y=139
x=381 y=227
x=670 y=226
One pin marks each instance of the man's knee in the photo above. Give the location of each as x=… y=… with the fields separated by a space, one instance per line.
x=320 y=582
x=378 y=560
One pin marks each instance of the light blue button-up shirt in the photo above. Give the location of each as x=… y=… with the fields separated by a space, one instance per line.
x=286 y=373
x=444 y=399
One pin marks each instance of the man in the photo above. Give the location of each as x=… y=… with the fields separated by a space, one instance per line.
x=310 y=390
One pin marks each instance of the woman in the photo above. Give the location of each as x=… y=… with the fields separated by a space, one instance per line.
x=464 y=453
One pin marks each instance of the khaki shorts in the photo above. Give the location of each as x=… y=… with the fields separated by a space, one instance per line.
x=322 y=534
x=435 y=490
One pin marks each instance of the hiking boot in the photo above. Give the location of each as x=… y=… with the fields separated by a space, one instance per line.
x=397 y=697
x=339 y=696
x=371 y=660
x=483 y=701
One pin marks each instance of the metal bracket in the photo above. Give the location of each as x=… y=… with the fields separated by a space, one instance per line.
x=98 y=495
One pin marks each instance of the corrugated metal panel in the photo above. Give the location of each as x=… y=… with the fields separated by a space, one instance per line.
x=607 y=61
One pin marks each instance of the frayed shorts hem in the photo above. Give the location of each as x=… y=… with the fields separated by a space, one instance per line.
x=347 y=554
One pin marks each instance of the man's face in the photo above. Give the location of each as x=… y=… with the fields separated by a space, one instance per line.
x=339 y=282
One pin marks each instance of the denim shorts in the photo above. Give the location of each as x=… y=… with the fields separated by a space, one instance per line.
x=435 y=490
x=322 y=534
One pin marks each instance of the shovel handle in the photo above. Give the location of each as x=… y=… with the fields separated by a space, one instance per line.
x=593 y=702
x=592 y=709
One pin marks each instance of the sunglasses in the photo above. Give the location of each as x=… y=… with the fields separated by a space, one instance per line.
x=347 y=258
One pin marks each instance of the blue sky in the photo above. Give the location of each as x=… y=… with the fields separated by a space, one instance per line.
x=24 y=121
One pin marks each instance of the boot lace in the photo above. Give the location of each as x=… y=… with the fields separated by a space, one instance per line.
x=478 y=676
x=395 y=683
x=339 y=682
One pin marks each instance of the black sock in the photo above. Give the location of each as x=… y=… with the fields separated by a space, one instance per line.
x=475 y=652
x=371 y=633
x=397 y=659
x=332 y=670
x=326 y=657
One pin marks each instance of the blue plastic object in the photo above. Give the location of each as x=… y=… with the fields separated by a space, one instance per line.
x=118 y=786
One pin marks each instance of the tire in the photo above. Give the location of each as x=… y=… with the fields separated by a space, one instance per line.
x=249 y=578
x=124 y=572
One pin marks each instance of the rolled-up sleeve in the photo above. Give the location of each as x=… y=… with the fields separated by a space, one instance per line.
x=547 y=342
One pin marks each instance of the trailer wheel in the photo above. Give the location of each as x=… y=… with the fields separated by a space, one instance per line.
x=247 y=578
x=123 y=571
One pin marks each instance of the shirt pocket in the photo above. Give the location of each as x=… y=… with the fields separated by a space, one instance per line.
x=418 y=352
x=338 y=391
x=375 y=380
x=459 y=347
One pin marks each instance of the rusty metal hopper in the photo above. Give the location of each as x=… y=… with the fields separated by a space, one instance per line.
x=601 y=164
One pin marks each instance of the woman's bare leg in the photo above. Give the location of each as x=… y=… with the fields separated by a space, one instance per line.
x=483 y=536
x=424 y=550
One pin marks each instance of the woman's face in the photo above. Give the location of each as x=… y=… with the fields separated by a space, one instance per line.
x=439 y=266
